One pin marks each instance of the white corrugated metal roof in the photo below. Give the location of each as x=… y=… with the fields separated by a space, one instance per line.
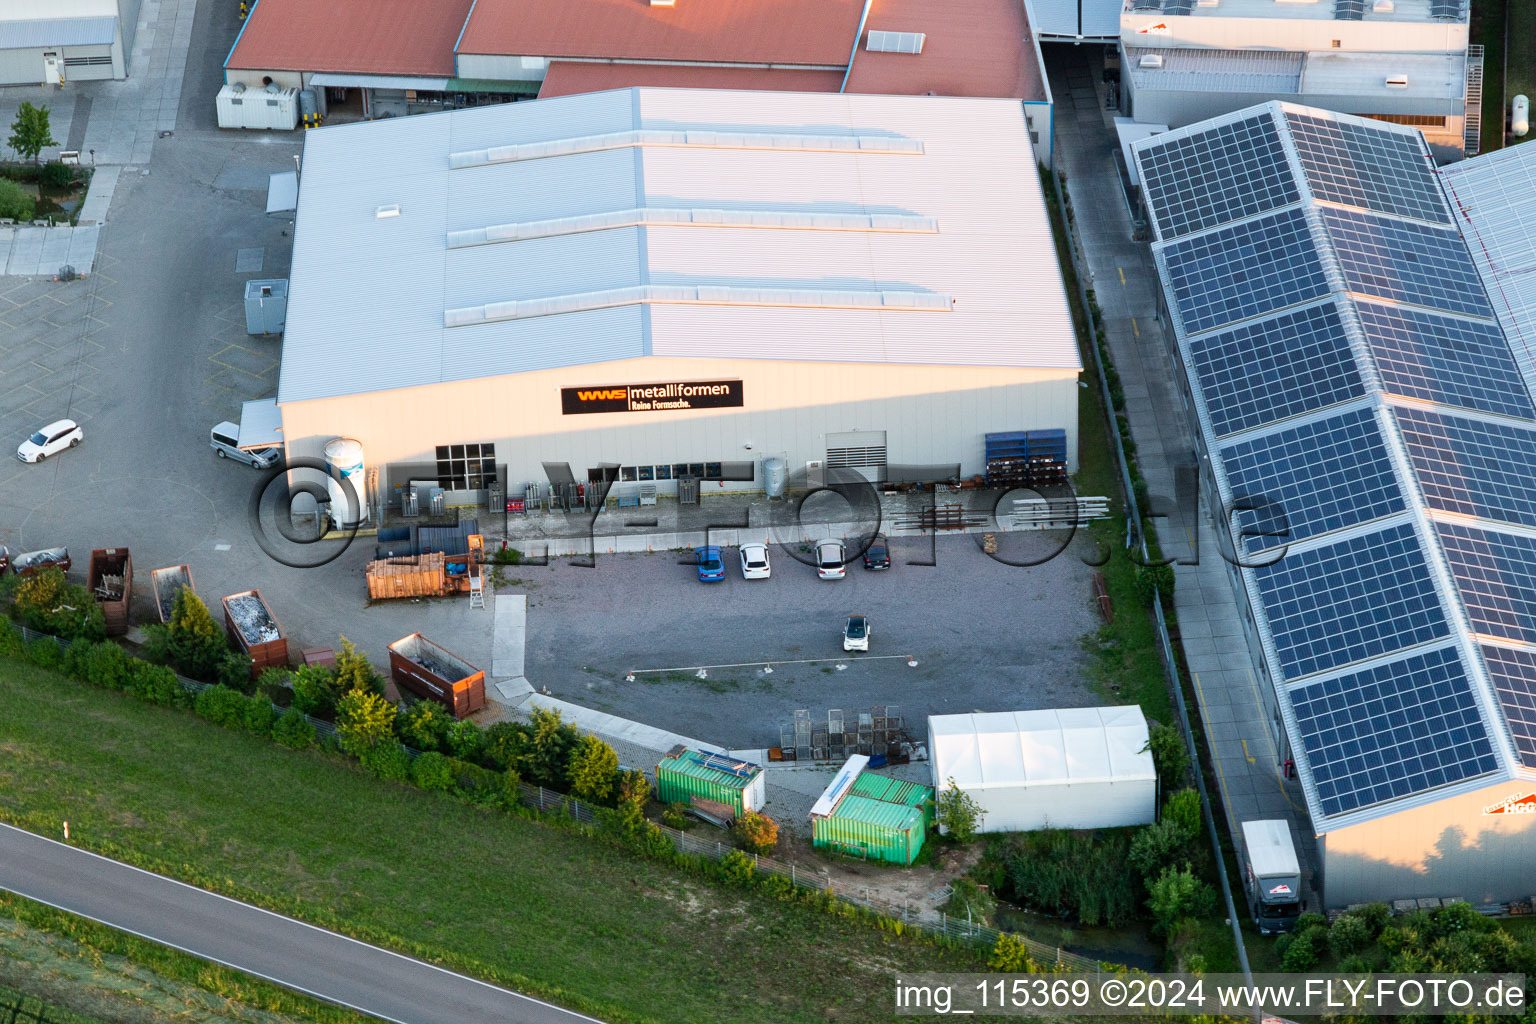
x=1492 y=198
x=816 y=205
x=33 y=32
x=1073 y=19
x=1040 y=748
x=1186 y=69
x=379 y=82
x=839 y=786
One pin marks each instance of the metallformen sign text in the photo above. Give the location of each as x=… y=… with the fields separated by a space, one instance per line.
x=693 y=394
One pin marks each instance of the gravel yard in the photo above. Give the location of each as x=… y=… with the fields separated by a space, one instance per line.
x=986 y=636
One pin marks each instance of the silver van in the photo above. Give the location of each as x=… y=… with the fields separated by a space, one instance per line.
x=225 y=440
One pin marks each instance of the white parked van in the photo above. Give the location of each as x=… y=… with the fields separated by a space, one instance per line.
x=225 y=440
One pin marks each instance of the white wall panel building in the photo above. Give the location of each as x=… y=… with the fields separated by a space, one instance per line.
x=846 y=263
x=1069 y=768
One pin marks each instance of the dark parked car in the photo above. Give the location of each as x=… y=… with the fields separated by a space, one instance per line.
x=877 y=556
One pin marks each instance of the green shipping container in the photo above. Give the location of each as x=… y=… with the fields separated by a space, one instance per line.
x=873 y=829
x=682 y=777
x=896 y=791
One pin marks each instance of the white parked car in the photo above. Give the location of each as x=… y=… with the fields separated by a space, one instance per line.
x=52 y=439
x=754 y=562
x=830 y=557
x=856 y=633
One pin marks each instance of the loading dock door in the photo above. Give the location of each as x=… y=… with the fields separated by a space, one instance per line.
x=862 y=450
x=53 y=69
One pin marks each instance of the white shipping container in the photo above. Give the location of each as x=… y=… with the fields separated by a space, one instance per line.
x=272 y=107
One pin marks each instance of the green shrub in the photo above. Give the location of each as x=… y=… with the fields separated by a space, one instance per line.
x=221 y=706
x=1304 y=951
x=355 y=672
x=777 y=886
x=957 y=813
x=1176 y=895
x=1159 y=846
x=1348 y=935
x=45 y=652
x=234 y=671
x=1375 y=916
x=47 y=602
x=388 y=761
x=505 y=745
x=156 y=684
x=1169 y=755
x=1060 y=872
x=970 y=901
x=1152 y=580
x=197 y=644
x=507 y=556
x=259 y=715
x=293 y=730
x=424 y=725
x=474 y=783
x=15 y=201
x=1183 y=808
x=156 y=645
x=77 y=657
x=511 y=789
x=57 y=175
x=315 y=691
x=756 y=833
x=466 y=740
x=1009 y=954
x=737 y=868
x=11 y=643
x=108 y=667
x=550 y=744
x=675 y=815
x=432 y=771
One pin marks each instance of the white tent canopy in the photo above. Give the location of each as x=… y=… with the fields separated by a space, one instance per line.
x=1068 y=768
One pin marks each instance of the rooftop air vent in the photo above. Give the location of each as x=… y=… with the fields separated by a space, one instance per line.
x=1151 y=60
x=663 y=3
x=895 y=42
x=392 y=210
x=1384 y=6
x=1207 y=3
x=1397 y=82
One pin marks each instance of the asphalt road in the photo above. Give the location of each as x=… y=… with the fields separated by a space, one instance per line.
x=291 y=953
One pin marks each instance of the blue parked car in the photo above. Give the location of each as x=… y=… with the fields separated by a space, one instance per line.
x=711 y=564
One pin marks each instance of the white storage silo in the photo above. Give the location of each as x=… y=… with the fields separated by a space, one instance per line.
x=344 y=461
x=775 y=472
x=1520 y=116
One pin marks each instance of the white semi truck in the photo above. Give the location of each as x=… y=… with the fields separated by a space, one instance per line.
x=1273 y=875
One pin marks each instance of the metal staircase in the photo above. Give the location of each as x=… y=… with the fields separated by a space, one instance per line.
x=1472 y=130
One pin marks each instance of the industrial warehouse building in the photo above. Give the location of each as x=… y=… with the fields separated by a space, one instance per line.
x=386 y=58
x=1403 y=61
x=1067 y=768
x=675 y=282
x=1364 y=420
x=58 y=41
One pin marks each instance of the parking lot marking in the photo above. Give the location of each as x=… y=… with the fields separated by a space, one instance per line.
x=1250 y=757
x=767 y=666
x=1221 y=779
x=1134 y=329
x=1122 y=275
x=221 y=547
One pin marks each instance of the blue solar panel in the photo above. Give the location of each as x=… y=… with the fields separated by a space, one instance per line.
x=1267 y=371
x=1320 y=476
x=1496 y=574
x=1244 y=271
x=1215 y=176
x=1392 y=730
x=1443 y=359
x=1514 y=681
x=1369 y=166
x=1478 y=469
x=1406 y=262
x=1356 y=599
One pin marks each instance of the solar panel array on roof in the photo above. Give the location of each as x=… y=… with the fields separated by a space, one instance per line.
x=1496 y=574
x=1244 y=270
x=1354 y=165
x=1317 y=477
x=1223 y=174
x=1406 y=262
x=1444 y=359
x=1390 y=730
x=1178 y=6
x=1291 y=363
x=1355 y=599
x=1514 y=680
x=1449 y=9
x=1349 y=10
x=1472 y=467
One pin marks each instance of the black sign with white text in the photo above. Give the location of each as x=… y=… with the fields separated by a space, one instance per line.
x=693 y=394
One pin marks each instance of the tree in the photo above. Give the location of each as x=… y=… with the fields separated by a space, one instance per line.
x=1009 y=954
x=1169 y=756
x=294 y=731
x=30 y=132
x=466 y=740
x=757 y=833
x=15 y=201
x=364 y=720
x=315 y=690
x=1349 y=934
x=1183 y=808
x=958 y=814
x=550 y=746
x=355 y=672
x=1158 y=846
x=424 y=725
x=47 y=602
x=432 y=771
x=634 y=791
x=1177 y=894
x=593 y=770
x=197 y=644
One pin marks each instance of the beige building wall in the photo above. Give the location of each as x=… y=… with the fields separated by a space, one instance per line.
x=1281 y=33
x=1449 y=848
x=931 y=415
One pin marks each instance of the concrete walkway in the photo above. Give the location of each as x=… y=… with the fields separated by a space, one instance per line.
x=1241 y=738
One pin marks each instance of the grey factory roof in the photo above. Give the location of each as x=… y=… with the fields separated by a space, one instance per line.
x=1451 y=11
x=1187 y=69
x=1358 y=399
x=1492 y=196
x=1438 y=76
x=16 y=34
x=670 y=222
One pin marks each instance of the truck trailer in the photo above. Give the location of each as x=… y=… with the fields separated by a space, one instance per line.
x=1273 y=875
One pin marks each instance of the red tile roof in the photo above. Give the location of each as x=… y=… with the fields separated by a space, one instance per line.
x=567 y=77
x=380 y=37
x=735 y=31
x=974 y=48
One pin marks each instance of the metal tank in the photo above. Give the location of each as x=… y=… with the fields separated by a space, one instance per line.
x=775 y=474
x=344 y=460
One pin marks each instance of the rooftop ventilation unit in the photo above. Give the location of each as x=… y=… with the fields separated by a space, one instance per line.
x=1384 y=6
x=663 y=3
x=1397 y=82
x=392 y=210
x=1151 y=60
x=894 y=42
x=1207 y=3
